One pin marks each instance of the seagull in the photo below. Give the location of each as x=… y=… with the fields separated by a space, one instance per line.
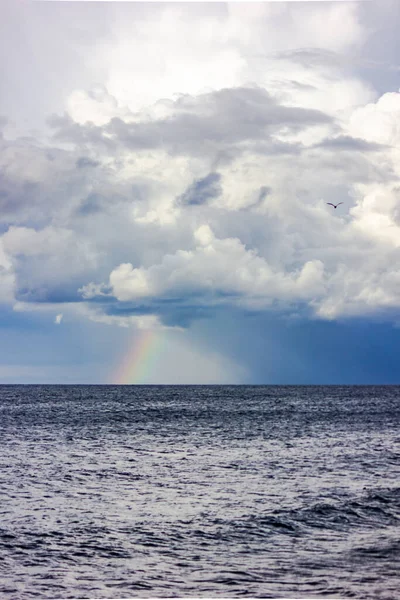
x=334 y=205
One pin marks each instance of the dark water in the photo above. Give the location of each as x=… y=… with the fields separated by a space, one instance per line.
x=118 y=492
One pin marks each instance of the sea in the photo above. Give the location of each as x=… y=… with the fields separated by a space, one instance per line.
x=199 y=492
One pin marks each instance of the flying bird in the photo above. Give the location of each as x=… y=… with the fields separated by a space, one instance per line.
x=334 y=205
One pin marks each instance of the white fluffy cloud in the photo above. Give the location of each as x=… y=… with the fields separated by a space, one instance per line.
x=379 y=121
x=217 y=270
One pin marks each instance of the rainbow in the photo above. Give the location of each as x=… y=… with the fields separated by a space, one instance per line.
x=140 y=359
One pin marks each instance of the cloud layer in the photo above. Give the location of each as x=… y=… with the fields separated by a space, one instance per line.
x=182 y=183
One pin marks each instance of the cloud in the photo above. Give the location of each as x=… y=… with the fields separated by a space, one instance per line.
x=288 y=251
x=378 y=122
x=141 y=321
x=58 y=319
x=349 y=144
x=84 y=161
x=3 y=124
x=47 y=264
x=90 y=205
x=96 y=106
x=7 y=277
x=197 y=125
x=226 y=45
x=174 y=193
x=215 y=272
x=202 y=190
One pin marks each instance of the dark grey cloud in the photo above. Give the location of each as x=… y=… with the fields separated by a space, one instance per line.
x=83 y=162
x=264 y=191
x=91 y=205
x=39 y=184
x=345 y=142
x=262 y=195
x=172 y=312
x=36 y=181
x=228 y=116
x=202 y=190
x=224 y=119
x=58 y=294
x=16 y=196
x=84 y=136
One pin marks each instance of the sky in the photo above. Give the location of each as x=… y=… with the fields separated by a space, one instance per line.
x=165 y=170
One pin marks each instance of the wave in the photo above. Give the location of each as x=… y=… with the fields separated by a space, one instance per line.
x=375 y=509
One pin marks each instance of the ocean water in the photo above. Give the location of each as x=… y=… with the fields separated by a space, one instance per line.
x=196 y=491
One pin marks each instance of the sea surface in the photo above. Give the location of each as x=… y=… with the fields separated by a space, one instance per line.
x=199 y=491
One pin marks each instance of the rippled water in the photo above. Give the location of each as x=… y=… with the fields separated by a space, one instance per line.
x=118 y=492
